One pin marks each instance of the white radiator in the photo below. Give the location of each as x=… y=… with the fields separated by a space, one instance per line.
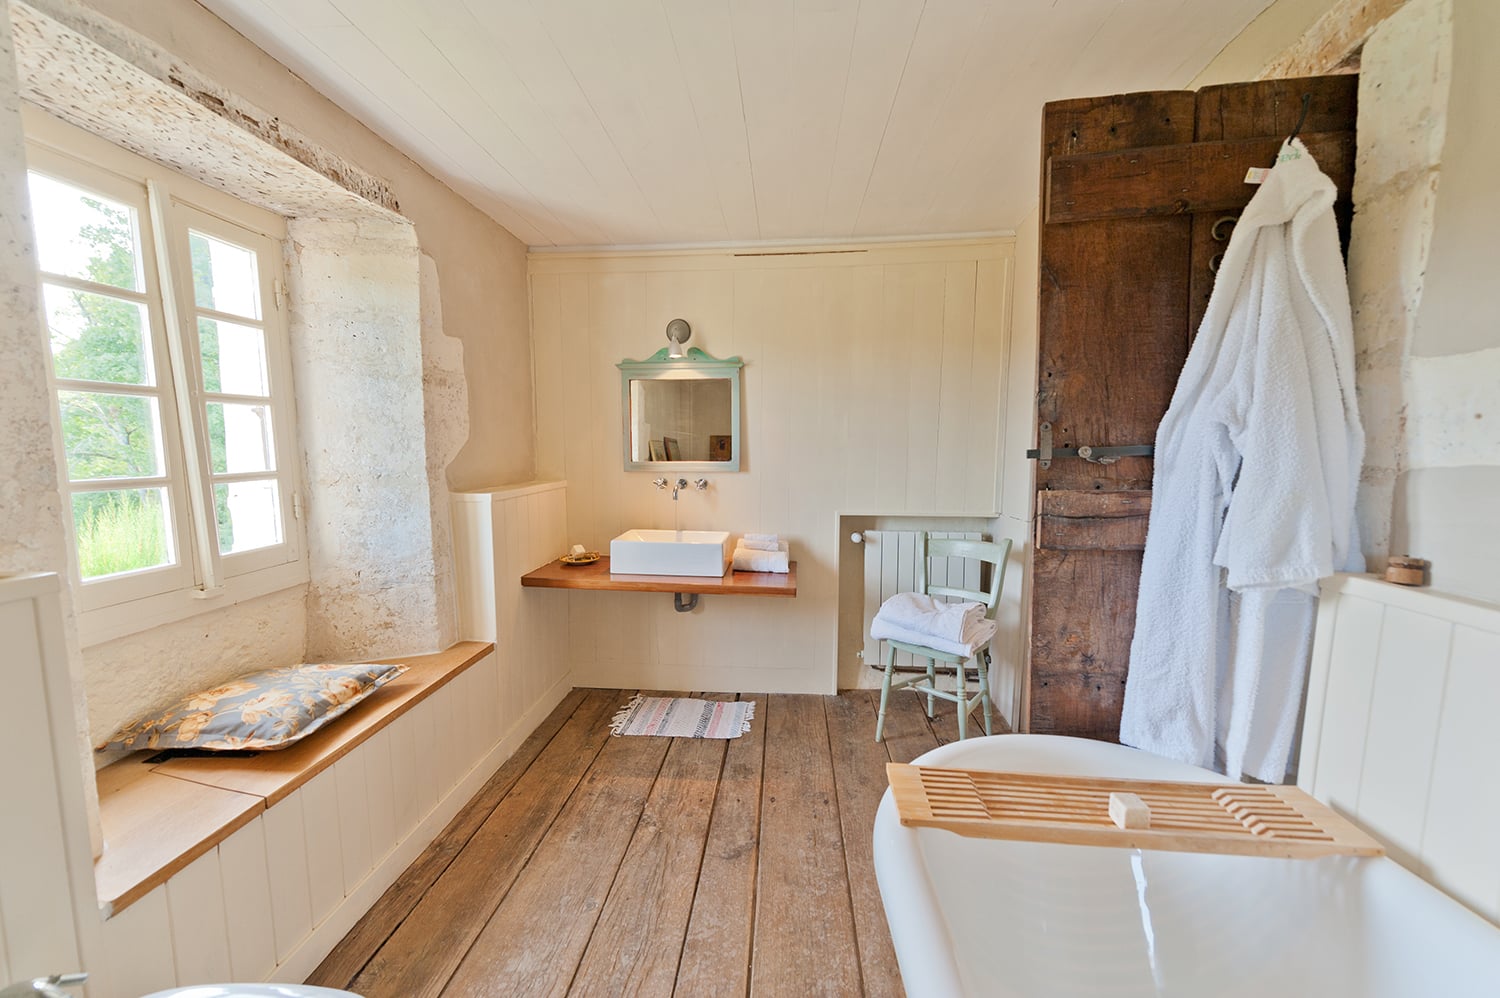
x=891 y=568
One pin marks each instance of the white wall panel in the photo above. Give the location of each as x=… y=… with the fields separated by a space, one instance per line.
x=320 y=824
x=246 y=880
x=872 y=384
x=138 y=956
x=200 y=931
x=287 y=874
x=380 y=787
x=1400 y=731
x=355 y=856
x=34 y=875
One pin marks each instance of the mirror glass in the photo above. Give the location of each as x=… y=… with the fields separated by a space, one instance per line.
x=681 y=414
x=687 y=420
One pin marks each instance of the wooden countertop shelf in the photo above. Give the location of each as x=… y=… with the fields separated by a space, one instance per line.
x=597 y=576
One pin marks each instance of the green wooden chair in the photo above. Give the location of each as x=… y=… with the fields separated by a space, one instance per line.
x=992 y=555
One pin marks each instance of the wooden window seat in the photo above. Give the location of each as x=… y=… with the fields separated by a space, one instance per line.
x=158 y=818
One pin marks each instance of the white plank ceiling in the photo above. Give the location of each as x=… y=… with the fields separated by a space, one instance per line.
x=644 y=122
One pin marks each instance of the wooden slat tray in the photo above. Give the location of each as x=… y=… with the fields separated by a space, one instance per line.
x=1235 y=818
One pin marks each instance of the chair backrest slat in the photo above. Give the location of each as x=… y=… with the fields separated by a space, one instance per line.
x=992 y=554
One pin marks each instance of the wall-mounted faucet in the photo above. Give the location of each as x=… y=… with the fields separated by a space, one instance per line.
x=50 y=987
x=681 y=484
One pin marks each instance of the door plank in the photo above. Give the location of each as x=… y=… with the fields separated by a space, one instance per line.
x=533 y=942
x=859 y=777
x=804 y=926
x=342 y=965
x=1081 y=640
x=426 y=948
x=1109 y=521
x=636 y=946
x=1113 y=302
x=716 y=952
x=1178 y=180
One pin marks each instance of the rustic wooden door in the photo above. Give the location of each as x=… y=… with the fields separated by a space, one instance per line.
x=1139 y=196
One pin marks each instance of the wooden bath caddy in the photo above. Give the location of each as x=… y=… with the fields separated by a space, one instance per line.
x=1234 y=818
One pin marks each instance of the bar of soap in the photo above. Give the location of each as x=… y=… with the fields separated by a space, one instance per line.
x=576 y=549
x=1129 y=811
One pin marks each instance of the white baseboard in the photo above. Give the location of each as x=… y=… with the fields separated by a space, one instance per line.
x=327 y=934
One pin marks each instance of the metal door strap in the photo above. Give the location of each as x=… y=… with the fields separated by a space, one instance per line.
x=1094 y=455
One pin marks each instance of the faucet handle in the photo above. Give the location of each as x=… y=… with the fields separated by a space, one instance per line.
x=701 y=484
x=660 y=483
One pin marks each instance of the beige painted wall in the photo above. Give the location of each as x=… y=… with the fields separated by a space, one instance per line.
x=1276 y=30
x=874 y=382
x=481 y=266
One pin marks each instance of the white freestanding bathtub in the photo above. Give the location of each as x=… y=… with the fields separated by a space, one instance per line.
x=985 y=917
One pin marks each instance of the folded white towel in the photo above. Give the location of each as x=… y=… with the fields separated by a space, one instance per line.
x=975 y=638
x=749 y=560
x=761 y=542
x=928 y=615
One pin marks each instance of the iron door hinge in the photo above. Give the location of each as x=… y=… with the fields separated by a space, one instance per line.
x=1044 y=452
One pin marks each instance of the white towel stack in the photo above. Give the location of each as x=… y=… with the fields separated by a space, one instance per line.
x=761 y=542
x=752 y=555
x=956 y=628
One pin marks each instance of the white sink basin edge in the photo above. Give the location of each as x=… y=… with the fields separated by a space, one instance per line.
x=670 y=552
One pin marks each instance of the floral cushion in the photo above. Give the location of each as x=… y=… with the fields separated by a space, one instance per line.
x=264 y=710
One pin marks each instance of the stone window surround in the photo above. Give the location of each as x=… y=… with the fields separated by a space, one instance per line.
x=367 y=596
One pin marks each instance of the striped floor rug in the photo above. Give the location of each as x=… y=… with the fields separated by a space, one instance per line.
x=682 y=717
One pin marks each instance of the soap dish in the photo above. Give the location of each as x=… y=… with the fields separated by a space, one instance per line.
x=587 y=558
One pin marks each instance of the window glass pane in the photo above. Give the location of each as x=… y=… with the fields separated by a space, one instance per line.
x=249 y=515
x=122 y=530
x=234 y=358
x=84 y=235
x=110 y=436
x=224 y=276
x=239 y=438
x=97 y=337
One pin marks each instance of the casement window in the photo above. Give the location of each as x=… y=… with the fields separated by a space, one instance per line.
x=171 y=380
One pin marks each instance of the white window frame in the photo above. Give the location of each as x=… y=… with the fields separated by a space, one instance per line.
x=168 y=205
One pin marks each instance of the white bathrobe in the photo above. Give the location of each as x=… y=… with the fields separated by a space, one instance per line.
x=1257 y=465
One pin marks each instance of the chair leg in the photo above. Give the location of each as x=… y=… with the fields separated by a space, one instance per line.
x=984 y=691
x=885 y=695
x=931 y=684
x=963 y=702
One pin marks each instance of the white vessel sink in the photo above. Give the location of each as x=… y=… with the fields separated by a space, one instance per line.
x=670 y=552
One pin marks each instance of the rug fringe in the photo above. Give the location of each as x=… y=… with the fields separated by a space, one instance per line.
x=749 y=716
x=617 y=723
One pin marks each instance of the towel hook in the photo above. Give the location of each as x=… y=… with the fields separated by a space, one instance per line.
x=1301 y=118
x=1296 y=129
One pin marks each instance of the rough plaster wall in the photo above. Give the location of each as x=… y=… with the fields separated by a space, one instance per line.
x=133 y=675
x=1450 y=470
x=483 y=267
x=115 y=83
x=1403 y=97
x=445 y=411
x=357 y=365
x=1334 y=40
x=32 y=537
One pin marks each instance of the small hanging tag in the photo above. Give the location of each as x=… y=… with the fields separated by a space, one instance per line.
x=1256 y=175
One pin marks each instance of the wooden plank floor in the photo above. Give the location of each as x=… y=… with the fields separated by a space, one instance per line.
x=592 y=865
